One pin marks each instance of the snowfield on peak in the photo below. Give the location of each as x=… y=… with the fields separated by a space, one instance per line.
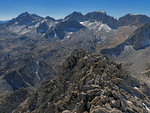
x=133 y=14
x=96 y=26
x=101 y=12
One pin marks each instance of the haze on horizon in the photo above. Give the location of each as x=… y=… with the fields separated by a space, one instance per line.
x=60 y=8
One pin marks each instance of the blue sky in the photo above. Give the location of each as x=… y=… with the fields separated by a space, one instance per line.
x=60 y=8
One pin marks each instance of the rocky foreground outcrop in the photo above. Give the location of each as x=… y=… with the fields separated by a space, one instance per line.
x=88 y=83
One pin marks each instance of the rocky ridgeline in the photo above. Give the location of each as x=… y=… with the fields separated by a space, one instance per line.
x=88 y=83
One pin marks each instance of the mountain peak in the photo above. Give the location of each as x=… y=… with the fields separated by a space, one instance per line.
x=75 y=16
x=24 y=14
x=63 y=27
x=102 y=17
x=98 y=12
x=50 y=18
x=24 y=19
x=101 y=11
x=75 y=12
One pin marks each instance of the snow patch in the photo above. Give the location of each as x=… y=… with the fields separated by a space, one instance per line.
x=101 y=12
x=148 y=109
x=99 y=42
x=25 y=31
x=37 y=25
x=16 y=28
x=103 y=95
x=128 y=47
x=135 y=86
x=42 y=21
x=85 y=57
x=16 y=22
x=133 y=14
x=129 y=102
x=68 y=35
x=37 y=70
x=104 y=27
x=99 y=26
x=113 y=101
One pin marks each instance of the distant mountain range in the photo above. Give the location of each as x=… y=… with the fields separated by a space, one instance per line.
x=26 y=23
x=2 y=22
x=33 y=48
x=52 y=40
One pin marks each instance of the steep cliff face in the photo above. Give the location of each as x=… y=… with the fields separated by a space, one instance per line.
x=96 y=16
x=42 y=28
x=88 y=83
x=64 y=27
x=102 y=17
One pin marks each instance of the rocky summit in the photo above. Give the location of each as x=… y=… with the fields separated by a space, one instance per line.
x=86 y=83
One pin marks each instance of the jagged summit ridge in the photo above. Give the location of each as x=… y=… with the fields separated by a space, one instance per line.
x=24 y=19
x=88 y=83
